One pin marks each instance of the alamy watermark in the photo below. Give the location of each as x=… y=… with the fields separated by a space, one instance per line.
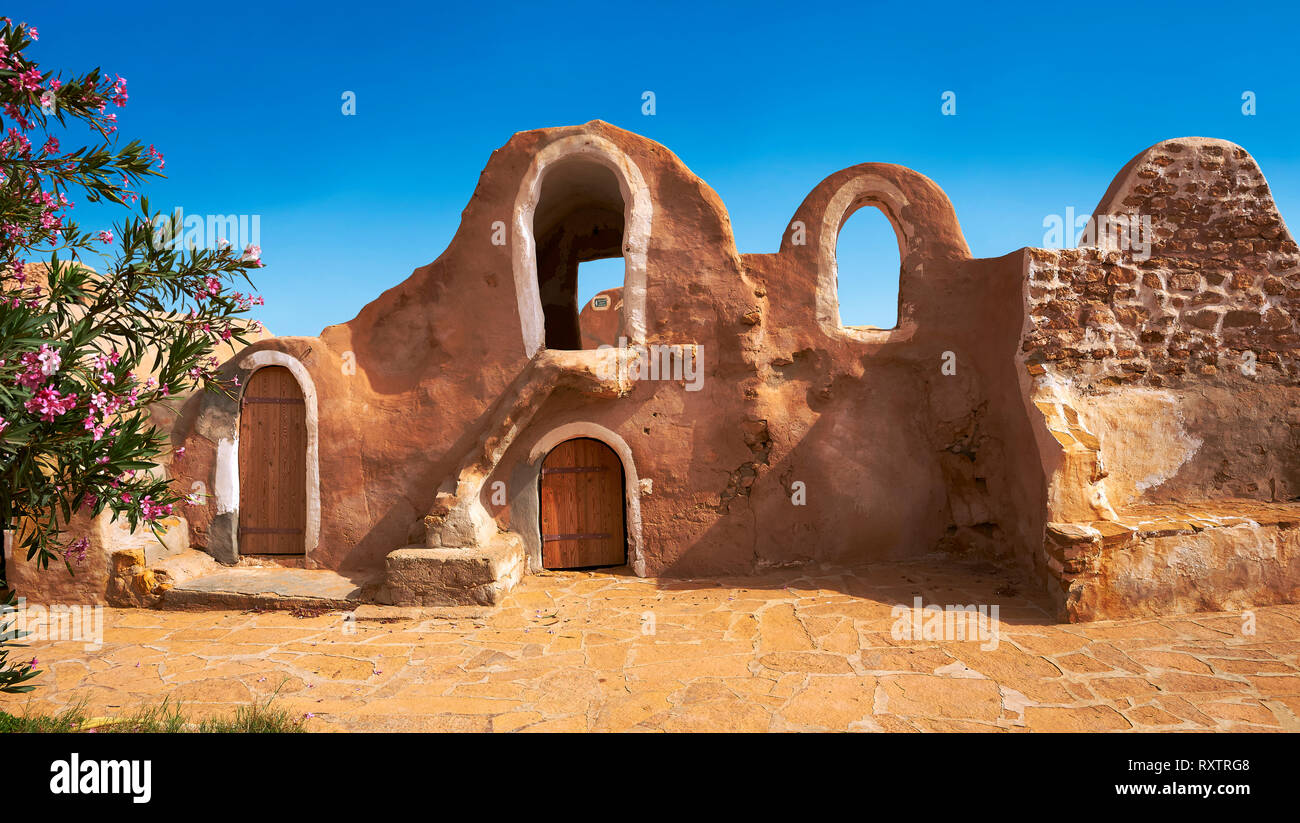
x=74 y=775
x=946 y=623
x=207 y=231
x=657 y=361
x=79 y=623
x=1120 y=232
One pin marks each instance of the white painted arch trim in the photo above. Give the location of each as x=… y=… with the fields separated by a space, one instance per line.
x=631 y=483
x=227 y=477
x=867 y=190
x=637 y=214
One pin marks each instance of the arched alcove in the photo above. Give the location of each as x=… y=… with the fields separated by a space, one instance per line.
x=579 y=218
x=582 y=198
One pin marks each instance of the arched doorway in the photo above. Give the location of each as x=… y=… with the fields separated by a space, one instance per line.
x=272 y=465
x=581 y=506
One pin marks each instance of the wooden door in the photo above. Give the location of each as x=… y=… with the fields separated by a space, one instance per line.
x=272 y=464
x=582 y=506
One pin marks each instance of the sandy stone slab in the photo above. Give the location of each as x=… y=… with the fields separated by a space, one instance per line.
x=563 y=654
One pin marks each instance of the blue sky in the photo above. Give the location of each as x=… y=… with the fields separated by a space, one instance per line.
x=762 y=100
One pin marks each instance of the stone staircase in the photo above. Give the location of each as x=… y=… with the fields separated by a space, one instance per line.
x=465 y=559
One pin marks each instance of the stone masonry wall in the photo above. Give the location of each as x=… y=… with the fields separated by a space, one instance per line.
x=1167 y=382
x=1223 y=279
x=1178 y=368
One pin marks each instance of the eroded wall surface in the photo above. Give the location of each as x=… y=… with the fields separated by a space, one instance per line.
x=1167 y=381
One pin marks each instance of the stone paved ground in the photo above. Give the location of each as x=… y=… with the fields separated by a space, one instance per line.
x=794 y=650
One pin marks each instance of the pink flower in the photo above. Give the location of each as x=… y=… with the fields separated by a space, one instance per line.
x=97 y=431
x=252 y=252
x=106 y=237
x=29 y=80
x=151 y=511
x=49 y=360
x=78 y=548
x=49 y=404
x=119 y=92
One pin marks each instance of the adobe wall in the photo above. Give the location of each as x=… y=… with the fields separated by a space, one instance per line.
x=1020 y=402
x=899 y=457
x=894 y=455
x=1120 y=423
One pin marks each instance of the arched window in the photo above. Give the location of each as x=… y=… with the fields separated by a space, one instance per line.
x=578 y=219
x=868 y=269
x=582 y=199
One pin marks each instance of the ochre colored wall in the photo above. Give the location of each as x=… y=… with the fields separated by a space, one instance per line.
x=896 y=454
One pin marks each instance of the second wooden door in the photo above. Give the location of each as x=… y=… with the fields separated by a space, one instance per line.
x=581 y=499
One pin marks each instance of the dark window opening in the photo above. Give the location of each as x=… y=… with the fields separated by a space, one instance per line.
x=579 y=218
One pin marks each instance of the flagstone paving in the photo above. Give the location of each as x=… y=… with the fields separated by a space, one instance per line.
x=791 y=650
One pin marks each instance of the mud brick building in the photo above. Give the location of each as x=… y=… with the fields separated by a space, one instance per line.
x=1123 y=424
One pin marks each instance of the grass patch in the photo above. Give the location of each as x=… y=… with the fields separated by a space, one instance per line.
x=167 y=717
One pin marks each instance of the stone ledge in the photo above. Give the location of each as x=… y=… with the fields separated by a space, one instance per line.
x=268 y=587
x=419 y=576
x=1174 y=558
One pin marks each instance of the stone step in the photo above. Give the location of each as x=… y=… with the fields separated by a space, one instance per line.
x=269 y=587
x=421 y=576
x=1173 y=558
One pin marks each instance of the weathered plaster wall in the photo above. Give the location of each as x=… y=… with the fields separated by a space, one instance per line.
x=1005 y=404
x=1184 y=364
x=1166 y=377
